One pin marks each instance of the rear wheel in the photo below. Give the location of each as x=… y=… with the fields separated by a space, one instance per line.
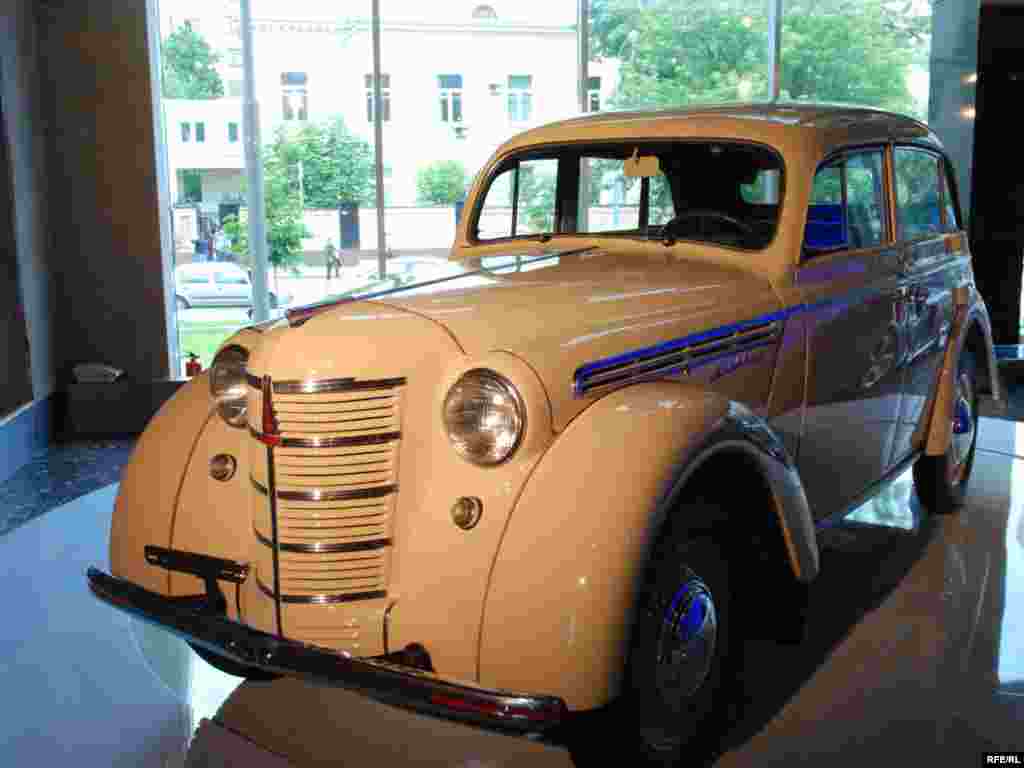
x=682 y=669
x=229 y=667
x=941 y=481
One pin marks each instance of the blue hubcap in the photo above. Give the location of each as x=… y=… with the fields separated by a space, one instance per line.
x=687 y=646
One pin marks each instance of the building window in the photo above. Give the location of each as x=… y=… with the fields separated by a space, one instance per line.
x=520 y=98
x=451 y=98
x=385 y=97
x=233 y=133
x=234 y=89
x=200 y=132
x=593 y=94
x=186 y=131
x=294 y=98
x=235 y=57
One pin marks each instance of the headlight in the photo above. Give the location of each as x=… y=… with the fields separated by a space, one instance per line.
x=227 y=384
x=484 y=416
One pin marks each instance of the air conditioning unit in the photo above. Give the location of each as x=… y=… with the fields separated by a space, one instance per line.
x=495 y=89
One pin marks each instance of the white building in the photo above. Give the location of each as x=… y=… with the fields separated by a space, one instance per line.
x=458 y=78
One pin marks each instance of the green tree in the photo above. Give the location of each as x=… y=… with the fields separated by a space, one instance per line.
x=188 y=66
x=336 y=166
x=678 y=52
x=441 y=183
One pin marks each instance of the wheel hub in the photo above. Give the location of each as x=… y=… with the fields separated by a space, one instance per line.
x=687 y=643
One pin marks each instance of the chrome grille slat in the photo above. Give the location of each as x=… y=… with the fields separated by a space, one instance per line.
x=336 y=463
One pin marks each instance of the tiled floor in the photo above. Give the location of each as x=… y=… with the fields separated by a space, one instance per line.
x=915 y=653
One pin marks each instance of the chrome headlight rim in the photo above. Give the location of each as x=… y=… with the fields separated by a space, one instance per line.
x=520 y=410
x=230 y=390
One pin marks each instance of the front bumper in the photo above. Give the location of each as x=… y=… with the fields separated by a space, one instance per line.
x=381 y=680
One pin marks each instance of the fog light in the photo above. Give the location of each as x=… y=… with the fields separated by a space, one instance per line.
x=466 y=512
x=222 y=467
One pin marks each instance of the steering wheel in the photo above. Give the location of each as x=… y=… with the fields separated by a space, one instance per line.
x=668 y=231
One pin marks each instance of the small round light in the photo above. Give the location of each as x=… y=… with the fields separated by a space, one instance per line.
x=222 y=467
x=484 y=416
x=228 y=386
x=466 y=512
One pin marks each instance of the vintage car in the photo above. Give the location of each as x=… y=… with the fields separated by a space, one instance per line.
x=582 y=482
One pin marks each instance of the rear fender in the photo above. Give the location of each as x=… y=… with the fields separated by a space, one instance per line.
x=565 y=581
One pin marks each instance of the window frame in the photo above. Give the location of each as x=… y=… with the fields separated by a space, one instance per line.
x=887 y=207
x=448 y=95
x=511 y=92
x=385 y=97
x=200 y=132
x=565 y=171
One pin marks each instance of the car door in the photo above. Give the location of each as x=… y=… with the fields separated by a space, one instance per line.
x=850 y=285
x=933 y=257
x=233 y=287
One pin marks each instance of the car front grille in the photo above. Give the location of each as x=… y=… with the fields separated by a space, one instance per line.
x=329 y=483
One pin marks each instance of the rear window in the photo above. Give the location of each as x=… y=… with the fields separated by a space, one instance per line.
x=918 y=204
x=725 y=193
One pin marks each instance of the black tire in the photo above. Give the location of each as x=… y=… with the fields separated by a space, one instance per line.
x=229 y=667
x=941 y=481
x=674 y=701
x=181 y=303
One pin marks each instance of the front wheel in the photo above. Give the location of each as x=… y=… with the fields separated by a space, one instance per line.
x=233 y=668
x=681 y=667
x=941 y=481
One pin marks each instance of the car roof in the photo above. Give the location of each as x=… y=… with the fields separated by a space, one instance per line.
x=815 y=127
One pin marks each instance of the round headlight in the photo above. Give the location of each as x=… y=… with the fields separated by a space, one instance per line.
x=484 y=416
x=228 y=386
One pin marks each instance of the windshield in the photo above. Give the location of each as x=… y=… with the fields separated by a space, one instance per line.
x=720 y=192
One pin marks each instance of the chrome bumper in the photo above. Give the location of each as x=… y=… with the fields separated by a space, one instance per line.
x=381 y=680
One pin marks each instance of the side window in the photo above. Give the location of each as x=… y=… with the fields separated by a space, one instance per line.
x=536 y=204
x=952 y=220
x=865 y=199
x=826 y=224
x=229 y=278
x=917 y=193
x=533 y=183
x=495 y=219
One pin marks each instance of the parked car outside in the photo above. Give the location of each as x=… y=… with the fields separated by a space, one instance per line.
x=575 y=488
x=217 y=284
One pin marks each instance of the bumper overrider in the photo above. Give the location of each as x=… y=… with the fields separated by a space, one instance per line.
x=197 y=621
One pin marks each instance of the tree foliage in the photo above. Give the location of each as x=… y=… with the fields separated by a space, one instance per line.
x=678 y=52
x=188 y=66
x=441 y=183
x=337 y=166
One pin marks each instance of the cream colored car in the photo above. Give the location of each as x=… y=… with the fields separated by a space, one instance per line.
x=583 y=472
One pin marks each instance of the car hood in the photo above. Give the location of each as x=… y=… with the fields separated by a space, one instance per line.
x=560 y=311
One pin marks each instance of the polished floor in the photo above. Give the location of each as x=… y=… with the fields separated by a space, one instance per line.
x=915 y=652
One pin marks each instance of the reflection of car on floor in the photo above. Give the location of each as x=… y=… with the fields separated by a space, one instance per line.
x=568 y=486
x=217 y=284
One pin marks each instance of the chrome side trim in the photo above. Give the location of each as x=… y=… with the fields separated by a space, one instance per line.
x=331 y=442
x=321 y=599
x=427 y=692
x=318 y=494
x=312 y=386
x=322 y=548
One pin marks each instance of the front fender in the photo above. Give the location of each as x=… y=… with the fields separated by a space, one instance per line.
x=564 y=584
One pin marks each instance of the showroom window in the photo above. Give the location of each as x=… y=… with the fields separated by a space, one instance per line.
x=450 y=89
x=385 y=97
x=294 y=96
x=520 y=98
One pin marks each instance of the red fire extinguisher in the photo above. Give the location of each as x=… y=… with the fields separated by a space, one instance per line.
x=193 y=367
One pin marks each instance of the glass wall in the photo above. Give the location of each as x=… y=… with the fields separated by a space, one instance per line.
x=456 y=79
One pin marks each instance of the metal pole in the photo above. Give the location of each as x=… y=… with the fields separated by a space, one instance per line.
x=258 y=247
x=583 y=51
x=378 y=138
x=774 y=49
